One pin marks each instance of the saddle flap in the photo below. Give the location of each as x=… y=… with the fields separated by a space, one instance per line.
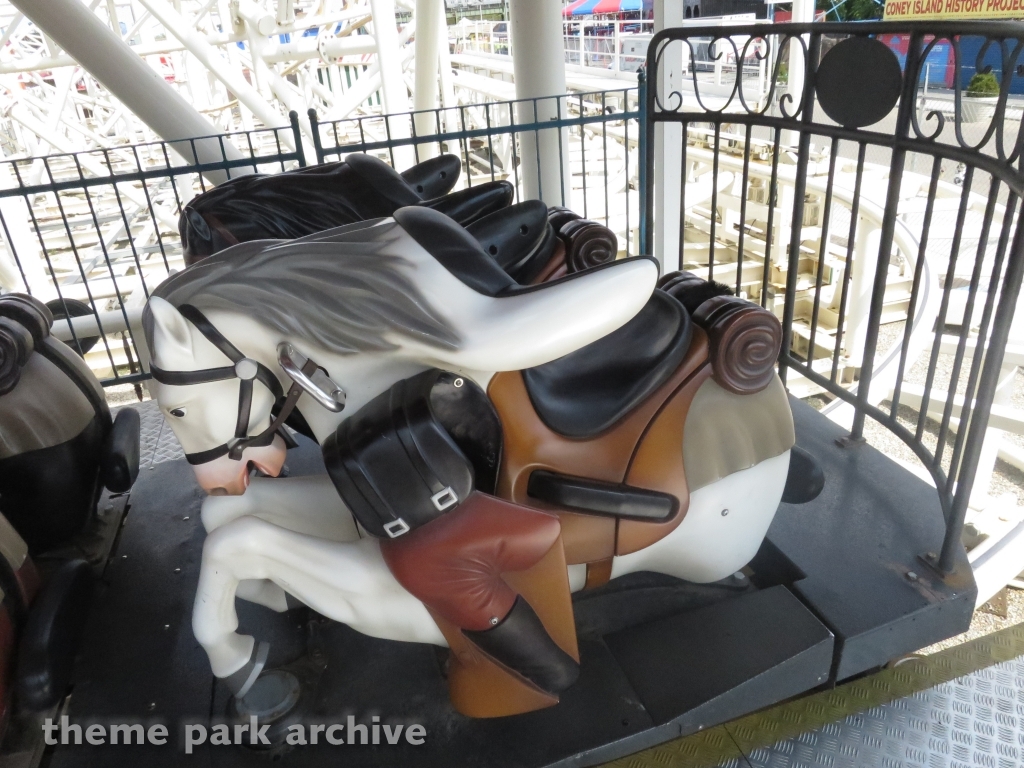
x=413 y=452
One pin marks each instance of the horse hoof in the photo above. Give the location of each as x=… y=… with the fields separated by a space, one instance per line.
x=272 y=696
x=241 y=681
x=273 y=700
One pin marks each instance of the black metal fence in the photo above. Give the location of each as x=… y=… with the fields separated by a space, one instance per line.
x=881 y=228
x=489 y=137
x=92 y=233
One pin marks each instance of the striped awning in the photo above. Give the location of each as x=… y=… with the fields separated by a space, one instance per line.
x=590 y=7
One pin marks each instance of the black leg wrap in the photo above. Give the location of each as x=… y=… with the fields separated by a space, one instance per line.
x=520 y=642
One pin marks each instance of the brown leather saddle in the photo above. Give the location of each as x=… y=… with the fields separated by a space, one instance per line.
x=597 y=436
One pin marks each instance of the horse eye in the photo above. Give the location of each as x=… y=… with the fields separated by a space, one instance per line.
x=177 y=412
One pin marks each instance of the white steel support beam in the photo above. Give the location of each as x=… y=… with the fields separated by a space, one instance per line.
x=538 y=59
x=803 y=13
x=363 y=88
x=668 y=144
x=198 y=46
x=996 y=562
x=257 y=21
x=237 y=28
x=428 y=48
x=285 y=11
x=447 y=90
x=41 y=63
x=258 y=24
x=396 y=95
x=385 y=31
x=130 y=79
x=310 y=48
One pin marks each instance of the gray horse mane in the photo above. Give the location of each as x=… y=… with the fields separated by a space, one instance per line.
x=340 y=289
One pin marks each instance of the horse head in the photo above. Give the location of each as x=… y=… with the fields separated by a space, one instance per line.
x=371 y=303
x=203 y=415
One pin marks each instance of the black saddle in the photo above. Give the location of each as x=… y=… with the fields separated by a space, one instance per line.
x=294 y=204
x=585 y=392
x=519 y=238
x=415 y=452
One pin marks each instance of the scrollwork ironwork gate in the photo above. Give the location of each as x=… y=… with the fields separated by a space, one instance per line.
x=861 y=181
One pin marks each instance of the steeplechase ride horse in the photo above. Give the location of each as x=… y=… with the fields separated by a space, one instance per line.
x=528 y=240
x=656 y=441
x=320 y=197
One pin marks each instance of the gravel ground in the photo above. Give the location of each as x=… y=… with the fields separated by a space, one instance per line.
x=125 y=394
x=985 y=622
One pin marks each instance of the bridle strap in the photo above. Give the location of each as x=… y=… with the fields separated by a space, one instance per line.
x=289 y=404
x=215 y=337
x=264 y=375
x=185 y=378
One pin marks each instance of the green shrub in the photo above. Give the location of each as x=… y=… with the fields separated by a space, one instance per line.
x=983 y=84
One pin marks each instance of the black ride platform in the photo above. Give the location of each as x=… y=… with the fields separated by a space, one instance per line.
x=828 y=597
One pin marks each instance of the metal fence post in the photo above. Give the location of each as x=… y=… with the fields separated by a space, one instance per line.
x=646 y=109
x=985 y=396
x=293 y=118
x=314 y=128
x=907 y=105
x=641 y=104
x=799 y=190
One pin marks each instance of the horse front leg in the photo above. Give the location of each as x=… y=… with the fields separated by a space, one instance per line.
x=345 y=581
x=307 y=504
x=319 y=512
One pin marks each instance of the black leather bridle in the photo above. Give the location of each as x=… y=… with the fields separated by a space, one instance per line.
x=246 y=370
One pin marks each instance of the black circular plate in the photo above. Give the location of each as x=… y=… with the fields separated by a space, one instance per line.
x=859 y=82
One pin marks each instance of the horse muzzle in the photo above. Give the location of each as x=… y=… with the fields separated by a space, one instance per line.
x=225 y=476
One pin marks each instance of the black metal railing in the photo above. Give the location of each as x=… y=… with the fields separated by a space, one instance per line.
x=490 y=138
x=91 y=233
x=882 y=229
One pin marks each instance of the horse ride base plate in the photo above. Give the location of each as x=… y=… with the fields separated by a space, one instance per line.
x=825 y=599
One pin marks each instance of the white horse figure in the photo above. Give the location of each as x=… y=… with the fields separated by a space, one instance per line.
x=372 y=306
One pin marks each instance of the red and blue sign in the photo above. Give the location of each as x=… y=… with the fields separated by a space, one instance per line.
x=592 y=7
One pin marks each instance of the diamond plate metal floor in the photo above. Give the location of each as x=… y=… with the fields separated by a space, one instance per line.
x=157 y=442
x=961 y=708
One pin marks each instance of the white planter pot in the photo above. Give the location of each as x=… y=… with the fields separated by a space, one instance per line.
x=976 y=109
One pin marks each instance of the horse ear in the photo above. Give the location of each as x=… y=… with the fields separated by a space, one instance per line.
x=539 y=325
x=172 y=339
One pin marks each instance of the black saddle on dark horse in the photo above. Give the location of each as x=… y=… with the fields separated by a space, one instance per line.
x=294 y=204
